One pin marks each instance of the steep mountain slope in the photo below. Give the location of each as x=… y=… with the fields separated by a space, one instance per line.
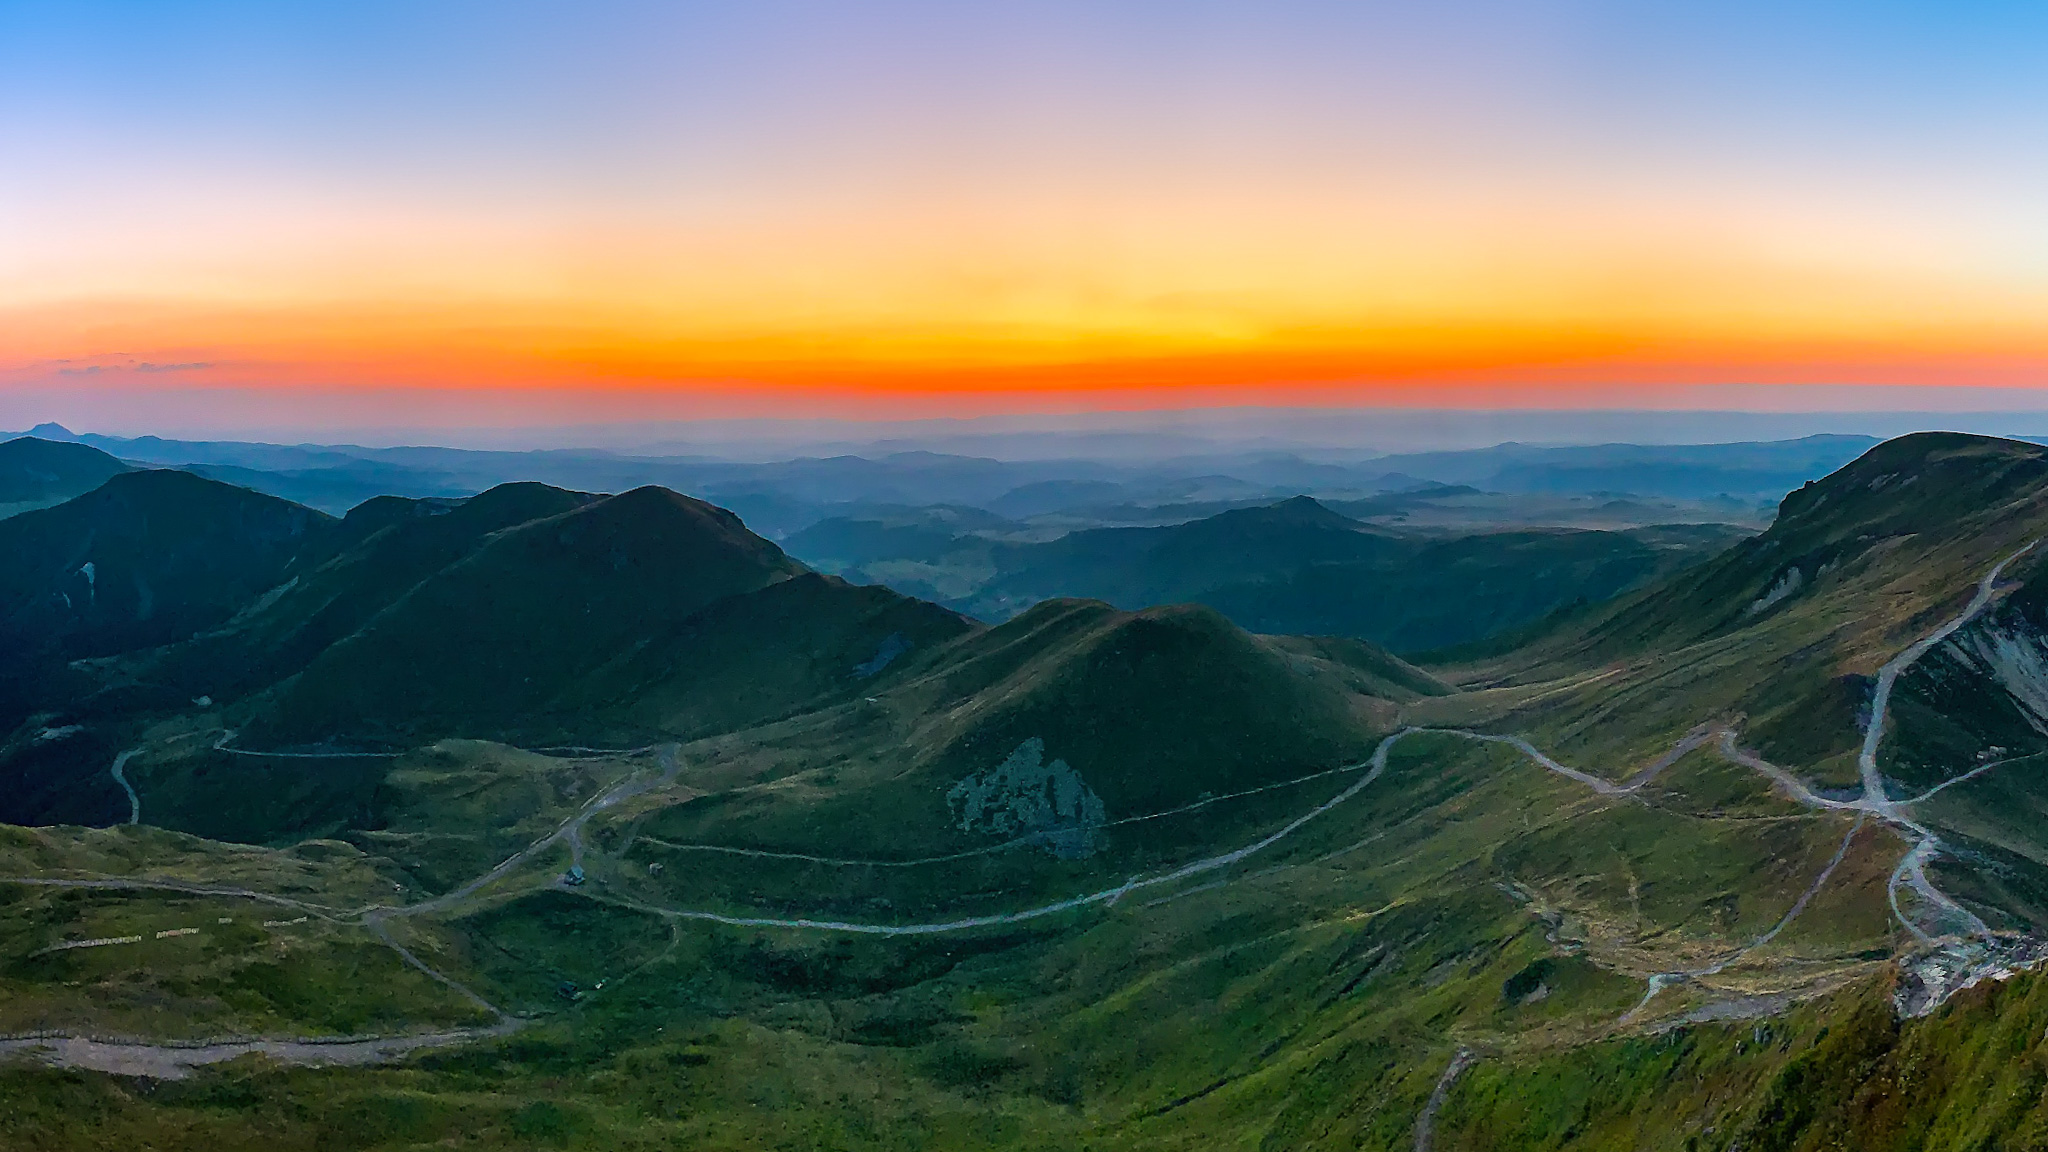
x=487 y=642
x=36 y=473
x=807 y=642
x=146 y=558
x=1790 y=627
x=382 y=549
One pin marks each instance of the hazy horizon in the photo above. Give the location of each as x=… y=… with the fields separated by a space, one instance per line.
x=1350 y=433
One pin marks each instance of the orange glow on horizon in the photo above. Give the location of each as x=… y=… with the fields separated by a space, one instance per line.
x=1273 y=296
x=724 y=207
x=984 y=371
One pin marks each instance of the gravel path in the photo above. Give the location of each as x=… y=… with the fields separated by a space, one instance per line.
x=160 y=1061
x=171 y=1061
x=120 y=774
x=1425 y=1123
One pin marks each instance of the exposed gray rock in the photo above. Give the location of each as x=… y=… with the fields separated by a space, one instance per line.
x=1025 y=796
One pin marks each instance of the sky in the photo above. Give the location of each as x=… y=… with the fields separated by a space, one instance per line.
x=514 y=212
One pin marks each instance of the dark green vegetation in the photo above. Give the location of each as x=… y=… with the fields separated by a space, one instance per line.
x=36 y=473
x=754 y=857
x=1296 y=567
x=144 y=559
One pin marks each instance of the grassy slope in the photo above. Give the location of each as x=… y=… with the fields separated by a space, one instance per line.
x=1467 y=899
x=1887 y=549
x=802 y=643
x=484 y=645
x=1153 y=709
x=385 y=547
x=1311 y=1007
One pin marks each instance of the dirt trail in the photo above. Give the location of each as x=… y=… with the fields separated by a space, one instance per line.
x=160 y=1061
x=172 y=1060
x=1912 y=868
x=570 y=830
x=137 y=1057
x=325 y=912
x=120 y=773
x=221 y=745
x=1109 y=896
x=1888 y=676
x=1011 y=845
x=1425 y=1122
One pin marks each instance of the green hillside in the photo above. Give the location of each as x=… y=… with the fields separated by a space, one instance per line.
x=376 y=555
x=1147 y=711
x=146 y=558
x=1294 y=567
x=486 y=643
x=806 y=642
x=1455 y=591
x=614 y=827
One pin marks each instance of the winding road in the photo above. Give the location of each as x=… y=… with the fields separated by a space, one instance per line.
x=1912 y=868
x=170 y=1061
x=1873 y=803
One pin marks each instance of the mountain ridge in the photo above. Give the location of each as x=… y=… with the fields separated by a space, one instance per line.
x=1123 y=879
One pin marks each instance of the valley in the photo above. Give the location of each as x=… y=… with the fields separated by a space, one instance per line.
x=613 y=805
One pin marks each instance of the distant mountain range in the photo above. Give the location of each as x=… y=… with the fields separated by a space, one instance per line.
x=781 y=497
x=36 y=473
x=1296 y=567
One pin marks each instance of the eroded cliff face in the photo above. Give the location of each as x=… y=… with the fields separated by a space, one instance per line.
x=2014 y=656
x=1978 y=699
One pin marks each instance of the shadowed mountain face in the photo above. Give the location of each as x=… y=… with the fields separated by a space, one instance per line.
x=537 y=615
x=147 y=558
x=35 y=473
x=485 y=642
x=807 y=641
x=374 y=556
